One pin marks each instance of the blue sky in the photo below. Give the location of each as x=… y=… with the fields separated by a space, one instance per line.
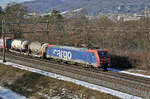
x=3 y=3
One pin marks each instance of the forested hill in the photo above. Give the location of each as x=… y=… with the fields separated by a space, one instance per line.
x=92 y=6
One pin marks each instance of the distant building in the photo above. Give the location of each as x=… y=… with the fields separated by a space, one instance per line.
x=129 y=17
x=72 y=12
x=29 y=15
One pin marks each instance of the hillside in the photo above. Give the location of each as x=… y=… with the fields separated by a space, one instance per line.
x=92 y=6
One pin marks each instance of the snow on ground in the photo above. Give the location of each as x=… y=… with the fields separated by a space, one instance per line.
x=88 y=85
x=135 y=74
x=8 y=94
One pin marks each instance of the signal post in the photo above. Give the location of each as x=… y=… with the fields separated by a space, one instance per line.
x=3 y=36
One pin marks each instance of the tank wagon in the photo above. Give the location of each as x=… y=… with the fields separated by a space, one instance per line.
x=37 y=49
x=95 y=58
x=8 y=42
x=20 y=45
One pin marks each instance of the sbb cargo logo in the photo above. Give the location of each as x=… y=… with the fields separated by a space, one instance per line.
x=67 y=55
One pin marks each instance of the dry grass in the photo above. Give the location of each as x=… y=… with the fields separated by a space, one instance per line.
x=128 y=59
x=140 y=71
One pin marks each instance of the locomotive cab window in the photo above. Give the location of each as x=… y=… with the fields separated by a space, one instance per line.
x=93 y=54
x=103 y=54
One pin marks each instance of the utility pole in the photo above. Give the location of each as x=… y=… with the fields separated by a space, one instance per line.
x=47 y=23
x=3 y=36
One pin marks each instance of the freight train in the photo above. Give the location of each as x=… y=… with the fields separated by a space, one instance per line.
x=97 y=58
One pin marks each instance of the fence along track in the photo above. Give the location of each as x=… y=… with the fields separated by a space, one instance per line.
x=130 y=84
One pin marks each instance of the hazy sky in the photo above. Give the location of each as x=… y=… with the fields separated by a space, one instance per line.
x=3 y=3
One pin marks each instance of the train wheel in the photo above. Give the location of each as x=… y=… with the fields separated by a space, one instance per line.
x=105 y=67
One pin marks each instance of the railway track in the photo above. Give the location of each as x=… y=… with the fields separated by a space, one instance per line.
x=130 y=84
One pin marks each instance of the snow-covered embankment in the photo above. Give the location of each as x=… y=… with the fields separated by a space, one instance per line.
x=8 y=94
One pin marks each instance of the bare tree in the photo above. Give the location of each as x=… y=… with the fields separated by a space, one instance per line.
x=15 y=12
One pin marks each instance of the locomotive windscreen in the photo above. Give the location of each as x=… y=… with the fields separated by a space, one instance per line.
x=103 y=54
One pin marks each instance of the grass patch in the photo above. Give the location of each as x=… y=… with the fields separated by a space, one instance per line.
x=136 y=59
